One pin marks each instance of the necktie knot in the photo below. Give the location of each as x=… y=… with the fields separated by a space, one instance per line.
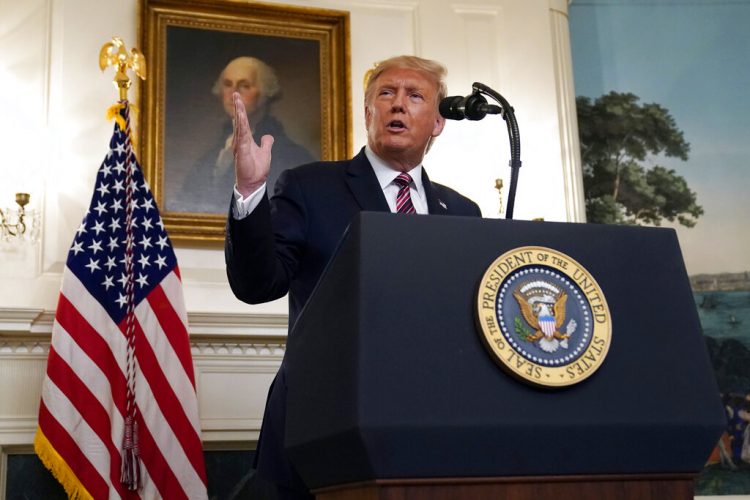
x=403 y=199
x=402 y=180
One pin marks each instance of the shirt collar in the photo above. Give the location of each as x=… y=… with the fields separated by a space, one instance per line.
x=386 y=174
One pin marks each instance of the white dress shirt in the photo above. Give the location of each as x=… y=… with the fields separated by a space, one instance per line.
x=386 y=175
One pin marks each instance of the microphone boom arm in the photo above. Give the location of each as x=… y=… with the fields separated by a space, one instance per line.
x=515 y=141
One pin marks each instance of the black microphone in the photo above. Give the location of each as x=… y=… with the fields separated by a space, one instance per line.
x=471 y=107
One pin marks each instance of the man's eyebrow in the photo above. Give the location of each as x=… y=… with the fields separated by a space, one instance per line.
x=407 y=85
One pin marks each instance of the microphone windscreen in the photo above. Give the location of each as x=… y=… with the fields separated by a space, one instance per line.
x=451 y=107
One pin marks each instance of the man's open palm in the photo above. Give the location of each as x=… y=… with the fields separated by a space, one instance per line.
x=251 y=162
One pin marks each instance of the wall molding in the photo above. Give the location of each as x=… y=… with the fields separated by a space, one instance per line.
x=204 y=327
x=570 y=150
x=229 y=351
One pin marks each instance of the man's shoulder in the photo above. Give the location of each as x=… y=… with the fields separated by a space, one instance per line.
x=314 y=178
x=323 y=169
x=457 y=203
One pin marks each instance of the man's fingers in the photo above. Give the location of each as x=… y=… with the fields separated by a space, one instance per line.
x=241 y=125
x=252 y=162
x=239 y=107
x=266 y=142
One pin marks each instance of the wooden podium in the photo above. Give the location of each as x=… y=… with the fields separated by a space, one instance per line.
x=392 y=395
x=646 y=487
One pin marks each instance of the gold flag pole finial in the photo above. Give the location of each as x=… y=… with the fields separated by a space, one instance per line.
x=114 y=54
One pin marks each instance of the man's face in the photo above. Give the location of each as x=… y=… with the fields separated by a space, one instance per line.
x=402 y=116
x=242 y=79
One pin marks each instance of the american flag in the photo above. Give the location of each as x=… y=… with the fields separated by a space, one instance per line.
x=118 y=416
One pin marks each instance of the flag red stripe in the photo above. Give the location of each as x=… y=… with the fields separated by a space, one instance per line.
x=68 y=450
x=168 y=402
x=158 y=469
x=97 y=349
x=173 y=328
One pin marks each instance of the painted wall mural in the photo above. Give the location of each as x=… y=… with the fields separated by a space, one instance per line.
x=664 y=121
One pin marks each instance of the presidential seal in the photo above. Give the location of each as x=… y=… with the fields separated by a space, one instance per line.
x=543 y=317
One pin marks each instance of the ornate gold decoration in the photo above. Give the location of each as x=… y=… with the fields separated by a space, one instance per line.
x=114 y=53
x=329 y=28
x=499 y=187
x=19 y=227
x=543 y=317
x=14 y=223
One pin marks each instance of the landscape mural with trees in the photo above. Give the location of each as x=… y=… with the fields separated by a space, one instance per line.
x=664 y=124
x=618 y=134
x=622 y=141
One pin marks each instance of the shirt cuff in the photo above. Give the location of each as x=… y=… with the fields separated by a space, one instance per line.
x=243 y=207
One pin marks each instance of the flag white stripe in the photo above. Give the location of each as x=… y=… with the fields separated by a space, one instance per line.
x=172 y=287
x=168 y=362
x=148 y=489
x=79 y=430
x=166 y=441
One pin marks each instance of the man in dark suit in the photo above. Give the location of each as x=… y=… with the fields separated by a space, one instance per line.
x=282 y=244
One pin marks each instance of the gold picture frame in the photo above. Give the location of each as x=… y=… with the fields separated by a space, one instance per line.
x=184 y=122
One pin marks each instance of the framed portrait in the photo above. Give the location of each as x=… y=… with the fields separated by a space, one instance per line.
x=291 y=66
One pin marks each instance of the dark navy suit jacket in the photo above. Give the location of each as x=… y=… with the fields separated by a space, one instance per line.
x=284 y=245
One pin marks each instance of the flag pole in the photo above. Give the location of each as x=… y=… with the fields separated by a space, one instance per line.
x=121 y=318
x=114 y=53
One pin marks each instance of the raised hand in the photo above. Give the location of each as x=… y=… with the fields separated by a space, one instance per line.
x=251 y=162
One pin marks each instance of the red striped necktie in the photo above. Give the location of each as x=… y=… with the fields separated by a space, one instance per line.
x=403 y=200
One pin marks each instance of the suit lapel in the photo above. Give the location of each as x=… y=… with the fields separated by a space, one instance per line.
x=364 y=184
x=365 y=187
x=435 y=205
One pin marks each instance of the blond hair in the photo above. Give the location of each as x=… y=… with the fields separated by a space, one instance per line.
x=432 y=69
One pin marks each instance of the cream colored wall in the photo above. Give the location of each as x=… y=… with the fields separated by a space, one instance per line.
x=54 y=133
x=54 y=136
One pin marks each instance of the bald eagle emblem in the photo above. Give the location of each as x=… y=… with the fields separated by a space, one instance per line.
x=542 y=306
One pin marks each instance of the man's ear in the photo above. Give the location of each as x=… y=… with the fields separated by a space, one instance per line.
x=439 y=125
x=368 y=116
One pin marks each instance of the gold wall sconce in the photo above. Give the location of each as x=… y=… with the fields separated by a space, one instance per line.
x=20 y=224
